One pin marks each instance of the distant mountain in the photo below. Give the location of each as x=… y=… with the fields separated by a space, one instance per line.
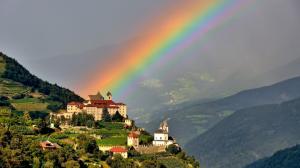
x=248 y=135
x=283 y=72
x=26 y=92
x=197 y=117
x=287 y=158
x=237 y=81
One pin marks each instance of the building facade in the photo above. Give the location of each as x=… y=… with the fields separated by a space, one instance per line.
x=161 y=136
x=133 y=139
x=97 y=105
x=119 y=150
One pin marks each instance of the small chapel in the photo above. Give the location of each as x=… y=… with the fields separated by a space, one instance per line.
x=161 y=136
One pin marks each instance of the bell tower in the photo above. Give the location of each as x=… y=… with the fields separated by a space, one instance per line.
x=164 y=126
x=109 y=95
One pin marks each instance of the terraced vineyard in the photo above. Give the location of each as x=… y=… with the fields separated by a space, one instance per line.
x=10 y=88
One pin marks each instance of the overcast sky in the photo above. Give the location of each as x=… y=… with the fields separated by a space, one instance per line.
x=38 y=28
x=57 y=40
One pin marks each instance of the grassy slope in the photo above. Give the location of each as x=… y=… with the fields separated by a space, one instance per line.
x=10 y=88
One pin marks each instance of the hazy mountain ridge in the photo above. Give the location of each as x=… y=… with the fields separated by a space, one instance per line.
x=248 y=135
x=197 y=117
x=281 y=159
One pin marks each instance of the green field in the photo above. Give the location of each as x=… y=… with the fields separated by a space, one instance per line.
x=113 y=125
x=113 y=134
x=121 y=140
x=30 y=106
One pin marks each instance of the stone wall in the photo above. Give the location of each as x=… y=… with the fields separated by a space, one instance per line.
x=150 y=149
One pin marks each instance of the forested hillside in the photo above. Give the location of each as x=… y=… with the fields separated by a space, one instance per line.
x=13 y=71
x=248 y=135
x=22 y=91
x=287 y=158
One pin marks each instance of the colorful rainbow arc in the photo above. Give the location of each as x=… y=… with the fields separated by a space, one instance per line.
x=177 y=33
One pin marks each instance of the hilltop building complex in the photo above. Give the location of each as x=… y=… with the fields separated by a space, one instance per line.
x=97 y=105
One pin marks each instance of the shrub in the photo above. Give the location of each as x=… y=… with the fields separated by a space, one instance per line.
x=173 y=149
x=117 y=117
x=19 y=96
x=54 y=107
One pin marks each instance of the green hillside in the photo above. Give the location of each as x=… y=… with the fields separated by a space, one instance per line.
x=25 y=104
x=26 y=92
x=287 y=158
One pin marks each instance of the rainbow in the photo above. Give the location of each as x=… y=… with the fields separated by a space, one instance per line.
x=180 y=27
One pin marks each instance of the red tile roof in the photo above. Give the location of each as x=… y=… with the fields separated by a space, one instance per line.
x=98 y=104
x=75 y=103
x=118 y=150
x=101 y=106
x=133 y=135
x=102 y=102
x=78 y=104
x=120 y=104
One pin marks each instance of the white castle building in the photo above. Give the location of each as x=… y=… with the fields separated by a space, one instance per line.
x=95 y=106
x=161 y=136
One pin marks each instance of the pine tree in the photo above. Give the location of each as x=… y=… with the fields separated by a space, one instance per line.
x=106 y=116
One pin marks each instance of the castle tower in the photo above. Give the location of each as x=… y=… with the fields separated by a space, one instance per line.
x=109 y=95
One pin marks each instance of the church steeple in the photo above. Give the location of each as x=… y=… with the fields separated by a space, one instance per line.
x=98 y=96
x=109 y=95
x=164 y=126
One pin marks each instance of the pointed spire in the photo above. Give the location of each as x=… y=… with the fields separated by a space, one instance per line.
x=109 y=93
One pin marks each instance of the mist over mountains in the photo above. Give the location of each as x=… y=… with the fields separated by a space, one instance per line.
x=248 y=135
